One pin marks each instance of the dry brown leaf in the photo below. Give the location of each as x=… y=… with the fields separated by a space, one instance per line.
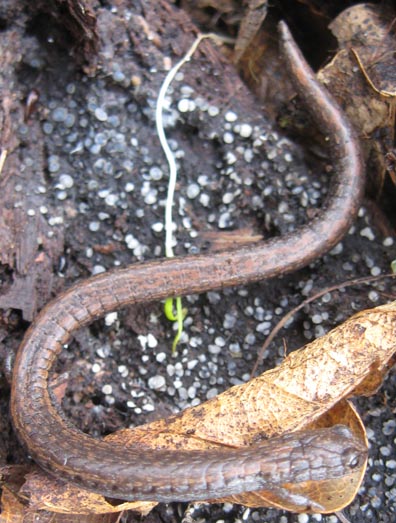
x=362 y=77
x=365 y=29
x=307 y=390
x=306 y=385
x=253 y=17
x=11 y=507
x=15 y=509
x=45 y=493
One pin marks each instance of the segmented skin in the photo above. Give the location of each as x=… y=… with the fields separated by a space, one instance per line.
x=138 y=474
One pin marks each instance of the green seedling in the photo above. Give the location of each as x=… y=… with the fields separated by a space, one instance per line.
x=175 y=314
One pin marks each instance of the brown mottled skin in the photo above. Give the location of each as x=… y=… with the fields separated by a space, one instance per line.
x=162 y=475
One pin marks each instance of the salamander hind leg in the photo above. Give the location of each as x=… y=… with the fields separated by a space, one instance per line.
x=295 y=501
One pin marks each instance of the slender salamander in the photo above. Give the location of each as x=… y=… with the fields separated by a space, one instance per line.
x=163 y=475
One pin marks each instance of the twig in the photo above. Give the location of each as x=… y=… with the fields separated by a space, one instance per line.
x=341 y=516
x=290 y=314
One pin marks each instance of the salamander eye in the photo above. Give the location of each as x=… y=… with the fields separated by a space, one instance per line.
x=352 y=458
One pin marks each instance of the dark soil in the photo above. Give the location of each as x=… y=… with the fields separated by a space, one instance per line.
x=83 y=190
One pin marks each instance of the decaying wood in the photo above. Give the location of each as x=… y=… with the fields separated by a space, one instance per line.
x=78 y=19
x=29 y=245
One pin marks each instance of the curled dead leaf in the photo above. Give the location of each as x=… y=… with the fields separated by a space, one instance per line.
x=46 y=493
x=15 y=507
x=362 y=78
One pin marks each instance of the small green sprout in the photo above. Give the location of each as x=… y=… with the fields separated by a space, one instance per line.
x=178 y=317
